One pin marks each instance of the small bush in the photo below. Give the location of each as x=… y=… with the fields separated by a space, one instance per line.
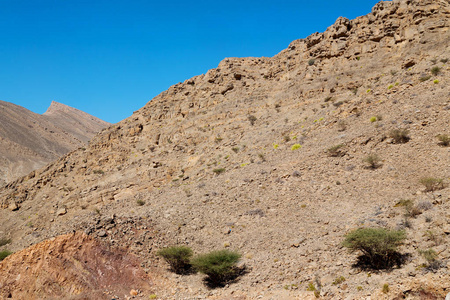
x=336 y=151
x=252 y=119
x=219 y=265
x=400 y=136
x=424 y=78
x=140 y=202
x=431 y=257
x=4 y=241
x=435 y=70
x=432 y=184
x=219 y=171
x=378 y=245
x=339 y=280
x=373 y=119
x=444 y=60
x=262 y=157
x=311 y=61
x=435 y=81
x=337 y=104
x=101 y=172
x=296 y=146
x=4 y=254
x=385 y=288
x=434 y=237
x=177 y=257
x=235 y=149
x=444 y=140
x=412 y=211
x=312 y=288
x=373 y=161
x=403 y=202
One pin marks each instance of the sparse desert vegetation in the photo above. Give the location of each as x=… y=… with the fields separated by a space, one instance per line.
x=219 y=266
x=373 y=161
x=400 y=136
x=432 y=184
x=178 y=257
x=379 y=246
x=4 y=254
x=444 y=139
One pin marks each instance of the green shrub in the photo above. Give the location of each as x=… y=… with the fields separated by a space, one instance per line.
x=424 y=78
x=339 y=280
x=378 y=245
x=296 y=146
x=385 y=288
x=219 y=171
x=444 y=139
x=403 y=202
x=444 y=60
x=177 y=257
x=435 y=70
x=373 y=119
x=432 y=184
x=219 y=265
x=140 y=202
x=336 y=151
x=312 y=288
x=373 y=161
x=311 y=61
x=400 y=136
x=4 y=254
x=4 y=241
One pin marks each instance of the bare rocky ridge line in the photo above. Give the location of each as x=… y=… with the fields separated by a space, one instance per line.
x=238 y=158
x=30 y=141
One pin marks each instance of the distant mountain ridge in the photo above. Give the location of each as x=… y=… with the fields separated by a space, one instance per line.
x=29 y=141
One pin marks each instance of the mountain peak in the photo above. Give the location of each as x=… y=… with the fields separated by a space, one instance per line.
x=59 y=107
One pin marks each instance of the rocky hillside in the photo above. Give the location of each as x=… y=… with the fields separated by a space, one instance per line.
x=29 y=141
x=270 y=157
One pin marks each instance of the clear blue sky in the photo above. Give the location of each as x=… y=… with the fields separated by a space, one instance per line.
x=110 y=57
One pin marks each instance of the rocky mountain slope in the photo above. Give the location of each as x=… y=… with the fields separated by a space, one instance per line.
x=244 y=157
x=29 y=141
